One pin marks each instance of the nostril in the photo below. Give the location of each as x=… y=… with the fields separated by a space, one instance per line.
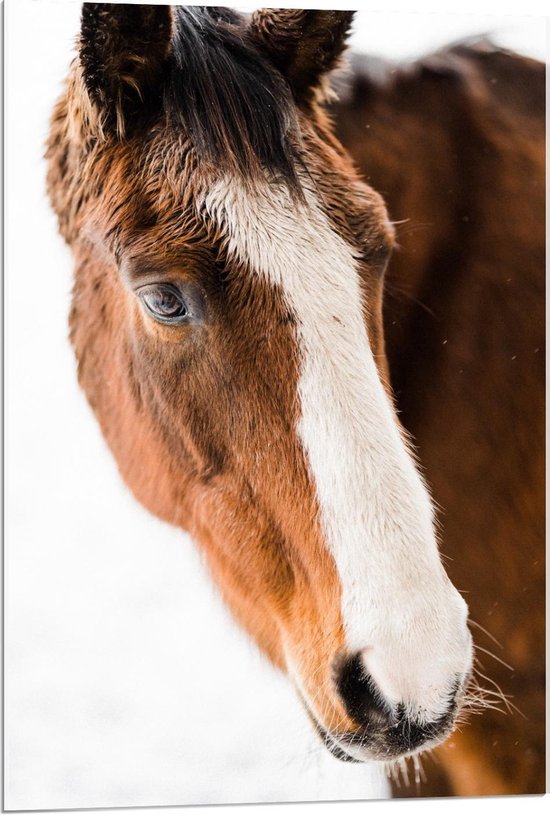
x=362 y=700
x=390 y=730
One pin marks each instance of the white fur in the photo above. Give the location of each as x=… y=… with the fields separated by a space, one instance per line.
x=398 y=606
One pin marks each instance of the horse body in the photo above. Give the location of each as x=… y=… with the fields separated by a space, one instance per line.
x=456 y=144
x=227 y=321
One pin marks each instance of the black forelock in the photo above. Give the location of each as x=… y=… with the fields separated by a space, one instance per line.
x=235 y=106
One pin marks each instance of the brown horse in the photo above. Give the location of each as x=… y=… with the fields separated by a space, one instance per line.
x=227 y=320
x=456 y=144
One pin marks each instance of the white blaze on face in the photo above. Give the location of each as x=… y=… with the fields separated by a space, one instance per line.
x=398 y=605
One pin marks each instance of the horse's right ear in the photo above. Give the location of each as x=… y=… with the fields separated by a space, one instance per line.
x=122 y=52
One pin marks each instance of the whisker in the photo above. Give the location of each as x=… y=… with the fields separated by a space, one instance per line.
x=506 y=699
x=498 y=659
x=488 y=633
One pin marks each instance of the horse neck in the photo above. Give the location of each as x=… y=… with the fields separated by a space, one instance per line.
x=459 y=157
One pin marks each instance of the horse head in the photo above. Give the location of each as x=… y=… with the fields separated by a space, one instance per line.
x=227 y=321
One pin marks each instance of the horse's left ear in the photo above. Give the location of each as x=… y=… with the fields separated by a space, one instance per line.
x=122 y=51
x=303 y=44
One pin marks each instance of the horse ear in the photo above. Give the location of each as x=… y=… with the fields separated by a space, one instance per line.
x=303 y=44
x=122 y=52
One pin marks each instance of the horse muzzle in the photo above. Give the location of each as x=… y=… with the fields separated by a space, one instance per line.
x=384 y=731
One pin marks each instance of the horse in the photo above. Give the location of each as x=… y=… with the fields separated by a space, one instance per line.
x=455 y=142
x=227 y=323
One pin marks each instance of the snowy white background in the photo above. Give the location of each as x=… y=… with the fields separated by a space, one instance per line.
x=126 y=683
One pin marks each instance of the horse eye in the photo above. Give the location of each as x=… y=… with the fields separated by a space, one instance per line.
x=164 y=302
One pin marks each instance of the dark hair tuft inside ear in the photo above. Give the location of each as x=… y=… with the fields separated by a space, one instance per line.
x=123 y=51
x=303 y=44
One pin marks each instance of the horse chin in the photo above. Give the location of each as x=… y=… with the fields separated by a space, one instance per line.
x=350 y=749
x=360 y=749
x=384 y=746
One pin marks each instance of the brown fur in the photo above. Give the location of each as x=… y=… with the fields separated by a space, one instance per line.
x=191 y=413
x=456 y=144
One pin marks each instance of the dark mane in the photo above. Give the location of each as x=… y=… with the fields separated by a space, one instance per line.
x=235 y=106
